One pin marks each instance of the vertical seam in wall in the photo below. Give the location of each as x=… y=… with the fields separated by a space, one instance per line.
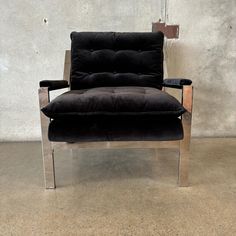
x=163 y=16
x=164 y=11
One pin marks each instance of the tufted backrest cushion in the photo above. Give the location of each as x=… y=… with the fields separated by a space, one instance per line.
x=103 y=59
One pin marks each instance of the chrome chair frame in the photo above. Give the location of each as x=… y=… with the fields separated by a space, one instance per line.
x=183 y=145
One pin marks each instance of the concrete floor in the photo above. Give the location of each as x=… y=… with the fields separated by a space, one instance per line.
x=119 y=192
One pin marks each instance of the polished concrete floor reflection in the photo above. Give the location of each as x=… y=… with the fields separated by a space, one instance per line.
x=119 y=192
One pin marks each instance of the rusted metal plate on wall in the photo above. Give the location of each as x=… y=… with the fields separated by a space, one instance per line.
x=170 y=31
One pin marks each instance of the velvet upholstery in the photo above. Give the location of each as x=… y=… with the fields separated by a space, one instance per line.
x=115 y=91
x=100 y=59
x=54 y=84
x=114 y=101
x=176 y=82
x=115 y=128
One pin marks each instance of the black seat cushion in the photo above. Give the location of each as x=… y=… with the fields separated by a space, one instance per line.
x=114 y=101
x=115 y=128
x=100 y=59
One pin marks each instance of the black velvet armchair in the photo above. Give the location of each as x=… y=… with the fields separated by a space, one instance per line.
x=115 y=99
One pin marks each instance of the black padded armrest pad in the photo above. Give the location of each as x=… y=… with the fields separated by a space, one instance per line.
x=54 y=84
x=176 y=82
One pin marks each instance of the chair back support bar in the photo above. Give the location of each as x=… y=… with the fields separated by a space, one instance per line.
x=67 y=65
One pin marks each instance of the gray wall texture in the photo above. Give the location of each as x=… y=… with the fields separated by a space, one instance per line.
x=34 y=35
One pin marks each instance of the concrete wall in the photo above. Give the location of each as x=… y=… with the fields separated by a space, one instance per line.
x=206 y=53
x=32 y=49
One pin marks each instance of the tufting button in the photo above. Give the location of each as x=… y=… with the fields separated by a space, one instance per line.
x=114 y=72
x=140 y=50
x=91 y=50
